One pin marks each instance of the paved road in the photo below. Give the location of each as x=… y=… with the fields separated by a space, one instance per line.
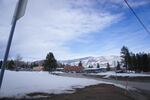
x=138 y=85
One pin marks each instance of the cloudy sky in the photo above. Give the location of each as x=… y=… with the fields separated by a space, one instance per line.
x=75 y=28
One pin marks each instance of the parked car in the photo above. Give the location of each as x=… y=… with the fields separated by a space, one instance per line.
x=120 y=71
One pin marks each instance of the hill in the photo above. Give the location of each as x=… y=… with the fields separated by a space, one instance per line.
x=92 y=61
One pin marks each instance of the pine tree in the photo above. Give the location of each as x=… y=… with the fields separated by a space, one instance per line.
x=10 y=65
x=91 y=66
x=145 y=62
x=33 y=65
x=148 y=61
x=139 y=62
x=126 y=59
x=108 y=67
x=134 y=62
x=98 y=66
x=50 y=63
x=80 y=64
x=118 y=65
x=130 y=67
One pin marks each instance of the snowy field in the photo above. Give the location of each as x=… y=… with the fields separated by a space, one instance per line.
x=18 y=84
x=112 y=73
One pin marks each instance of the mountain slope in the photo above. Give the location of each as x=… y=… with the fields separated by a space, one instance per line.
x=92 y=61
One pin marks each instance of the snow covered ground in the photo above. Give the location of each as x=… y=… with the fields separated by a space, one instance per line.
x=112 y=73
x=18 y=84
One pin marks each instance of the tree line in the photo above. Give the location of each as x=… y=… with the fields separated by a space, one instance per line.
x=13 y=64
x=10 y=64
x=135 y=61
x=50 y=63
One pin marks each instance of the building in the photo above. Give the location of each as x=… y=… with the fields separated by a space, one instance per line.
x=38 y=68
x=77 y=69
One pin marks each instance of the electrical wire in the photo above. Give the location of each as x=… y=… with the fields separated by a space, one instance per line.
x=138 y=18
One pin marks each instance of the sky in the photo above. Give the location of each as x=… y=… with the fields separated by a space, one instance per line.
x=74 y=28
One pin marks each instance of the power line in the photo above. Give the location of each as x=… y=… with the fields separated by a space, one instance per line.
x=143 y=25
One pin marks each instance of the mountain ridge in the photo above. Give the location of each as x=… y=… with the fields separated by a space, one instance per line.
x=92 y=61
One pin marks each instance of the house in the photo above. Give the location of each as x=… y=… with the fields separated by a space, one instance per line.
x=38 y=68
x=77 y=69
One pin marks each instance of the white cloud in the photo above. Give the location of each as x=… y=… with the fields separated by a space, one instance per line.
x=121 y=3
x=49 y=25
x=138 y=3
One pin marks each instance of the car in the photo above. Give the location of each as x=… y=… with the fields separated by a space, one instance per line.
x=120 y=71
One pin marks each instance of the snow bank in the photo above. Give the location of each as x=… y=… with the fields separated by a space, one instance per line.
x=57 y=72
x=112 y=73
x=18 y=84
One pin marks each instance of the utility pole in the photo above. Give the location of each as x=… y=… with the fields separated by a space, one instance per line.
x=19 y=12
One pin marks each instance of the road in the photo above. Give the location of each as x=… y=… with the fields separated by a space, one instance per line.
x=138 y=85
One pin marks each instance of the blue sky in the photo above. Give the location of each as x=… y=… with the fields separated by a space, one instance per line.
x=75 y=28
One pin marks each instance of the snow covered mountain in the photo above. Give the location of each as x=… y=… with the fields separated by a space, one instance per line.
x=92 y=61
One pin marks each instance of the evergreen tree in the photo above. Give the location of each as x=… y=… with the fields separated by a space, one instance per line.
x=118 y=65
x=98 y=66
x=126 y=58
x=50 y=63
x=108 y=67
x=137 y=62
x=134 y=62
x=130 y=61
x=148 y=61
x=80 y=64
x=10 y=65
x=145 y=62
x=89 y=66
x=33 y=65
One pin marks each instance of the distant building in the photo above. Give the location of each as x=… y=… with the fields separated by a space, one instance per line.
x=73 y=69
x=94 y=70
x=38 y=68
x=60 y=69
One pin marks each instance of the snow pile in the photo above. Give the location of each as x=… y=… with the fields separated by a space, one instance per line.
x=18 y=84
x=57 y=72
x=112 y=73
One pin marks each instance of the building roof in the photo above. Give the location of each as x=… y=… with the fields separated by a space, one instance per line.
x=73 y=68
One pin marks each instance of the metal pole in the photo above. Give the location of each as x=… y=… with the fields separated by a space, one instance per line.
x=19 y=12
x=7 y=51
